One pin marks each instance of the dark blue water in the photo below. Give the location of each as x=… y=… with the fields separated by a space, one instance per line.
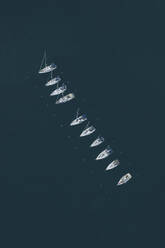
x=53 y=193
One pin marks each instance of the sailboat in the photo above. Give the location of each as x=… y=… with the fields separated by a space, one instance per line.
x=97 y=142
x=124 y=179
x=65 y=98
x=113 y=164
x=104 y=154
x=88 y=130
x=79 y=119
x=59 y=90
x=44 y=68
x=53 y=80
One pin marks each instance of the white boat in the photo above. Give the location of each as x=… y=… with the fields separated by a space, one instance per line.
x=97 y=142
x=88 y=131
x=78 y=120
x=65 y=98
x=59 y=90
x=124 y=179
x=104 y=154
x=113 y=164
x=44 y=68
x=48 y=68
x=53 y=81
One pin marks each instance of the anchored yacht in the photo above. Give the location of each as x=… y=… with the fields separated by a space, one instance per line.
x=53 y=81
x=124 y=179
x=59 y=90
x=88 y=131
x=97 y=142
x=44 y=68
x=113 y=164
x=79 y=119
x=104 y=154
x=65 y=98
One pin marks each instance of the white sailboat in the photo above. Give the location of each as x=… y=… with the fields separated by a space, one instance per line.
x=88 y=130
x=59 y=90
x=44 y=68
x=53 y=81
x=65 y=98
x=104 y=154
x=124 y=179
x=113 y=164
x=79 y=119
x=97 y=142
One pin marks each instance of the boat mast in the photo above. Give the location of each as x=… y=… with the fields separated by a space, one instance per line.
x=43 y=62
x=77 y=114
x=87 y=125
x=45 y=58
x=58 y=96
x=51 y=74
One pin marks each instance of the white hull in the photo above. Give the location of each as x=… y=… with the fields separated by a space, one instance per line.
x=78 y=120
x=97 y=142
x=66 y=98
x=88 y=131
x=53 y=81
x=59 y=91
x=124 y=179
x=113 y=164
x=104 y=154
x=47 y=69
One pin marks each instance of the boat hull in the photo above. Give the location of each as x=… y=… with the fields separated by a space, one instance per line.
x=53 y=81
x=58 y=91
x=47 y=69
x=88 y=131
x=97 y=142
x=113 y=164
x=124 y=179
x=78 y=120
x=66 y=98
x=104 y=154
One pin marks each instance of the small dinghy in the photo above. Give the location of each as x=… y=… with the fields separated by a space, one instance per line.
x=59 y=90
x=104 y=154
x=113 y=164
x=97 y=142
x=124 y=179
x=44 y=68
x=65 y=98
